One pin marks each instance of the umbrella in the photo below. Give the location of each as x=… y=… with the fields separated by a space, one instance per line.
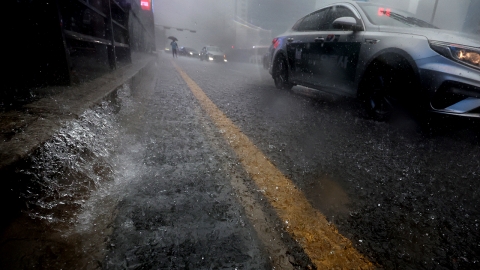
x=173 y=38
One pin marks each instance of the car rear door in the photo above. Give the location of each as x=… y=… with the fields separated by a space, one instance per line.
x=299 y=46
x=334 y=54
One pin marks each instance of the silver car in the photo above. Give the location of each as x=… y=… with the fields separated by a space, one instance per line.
x=212 y=53
x=383 y=56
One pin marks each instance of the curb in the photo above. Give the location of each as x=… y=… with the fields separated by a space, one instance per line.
x=38 y=121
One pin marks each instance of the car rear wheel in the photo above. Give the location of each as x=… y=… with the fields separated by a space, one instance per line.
x=281 y=74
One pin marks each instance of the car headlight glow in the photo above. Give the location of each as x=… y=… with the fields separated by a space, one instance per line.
x=191 y=53
x=210 y=58
x=467 y=55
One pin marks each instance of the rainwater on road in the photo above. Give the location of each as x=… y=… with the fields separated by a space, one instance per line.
x=149 y=181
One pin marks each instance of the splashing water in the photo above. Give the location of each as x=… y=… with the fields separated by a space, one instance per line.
x=72 y=163
x=70 y=187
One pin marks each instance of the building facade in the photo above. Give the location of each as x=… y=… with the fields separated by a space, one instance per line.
x=247 y=34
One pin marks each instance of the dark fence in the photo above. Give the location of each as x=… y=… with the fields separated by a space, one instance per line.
x=61 y=42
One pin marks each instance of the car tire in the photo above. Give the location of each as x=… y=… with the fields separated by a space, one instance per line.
x=281 y=74
x=376 y=93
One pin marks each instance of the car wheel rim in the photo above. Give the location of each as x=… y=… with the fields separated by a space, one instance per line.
x=281 y=77
x=380 y=102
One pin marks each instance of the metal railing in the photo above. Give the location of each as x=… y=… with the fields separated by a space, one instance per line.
x=60 y=42
x=100 y=22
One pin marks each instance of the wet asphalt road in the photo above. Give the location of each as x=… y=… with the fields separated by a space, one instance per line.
x=181 y=211
x=405 y=195
x=169 y=192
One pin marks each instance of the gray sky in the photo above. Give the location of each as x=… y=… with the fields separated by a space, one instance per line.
x=205 y=16
x=213 y=18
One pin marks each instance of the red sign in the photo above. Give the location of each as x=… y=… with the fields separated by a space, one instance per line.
x=383 y=11
x=146 y=4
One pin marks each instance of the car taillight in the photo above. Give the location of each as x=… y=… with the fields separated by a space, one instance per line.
x=275 y=42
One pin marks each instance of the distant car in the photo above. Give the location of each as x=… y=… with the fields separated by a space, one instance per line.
x=186 y=51
x=382 y=55
x=213 y=54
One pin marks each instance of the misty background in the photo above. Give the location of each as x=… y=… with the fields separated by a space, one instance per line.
x=218 y=22
x=246 y=23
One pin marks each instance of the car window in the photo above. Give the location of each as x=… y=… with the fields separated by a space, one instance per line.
x=297 y=24
x=213 y=49
x=335 y=13
x=314 y=21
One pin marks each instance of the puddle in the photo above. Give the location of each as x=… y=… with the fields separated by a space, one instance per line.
x=328 y=196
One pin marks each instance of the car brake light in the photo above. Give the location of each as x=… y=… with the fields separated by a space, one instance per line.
x=275 y=42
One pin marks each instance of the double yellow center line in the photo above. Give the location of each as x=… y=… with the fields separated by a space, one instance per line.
x=319 y=239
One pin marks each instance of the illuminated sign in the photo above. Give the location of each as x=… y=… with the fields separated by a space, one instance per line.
x=146 y=4
x=383 y=12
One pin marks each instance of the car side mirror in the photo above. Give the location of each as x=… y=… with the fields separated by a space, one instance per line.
x=347 y=23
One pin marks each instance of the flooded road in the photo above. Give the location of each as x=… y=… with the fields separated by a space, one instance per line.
x=151 y=182
x=404 y=193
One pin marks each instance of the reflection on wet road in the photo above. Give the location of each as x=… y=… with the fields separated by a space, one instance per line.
x=403 y=193
x=209 y=166
x=325 y=247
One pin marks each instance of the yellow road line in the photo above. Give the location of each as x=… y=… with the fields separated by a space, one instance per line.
x=320 y=240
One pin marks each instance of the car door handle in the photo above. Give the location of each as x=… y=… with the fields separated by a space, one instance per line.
x=289 y=39
x=372 y=41
x=319 y=39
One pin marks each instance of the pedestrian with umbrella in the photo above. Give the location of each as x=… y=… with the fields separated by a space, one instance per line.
x=174 y=46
